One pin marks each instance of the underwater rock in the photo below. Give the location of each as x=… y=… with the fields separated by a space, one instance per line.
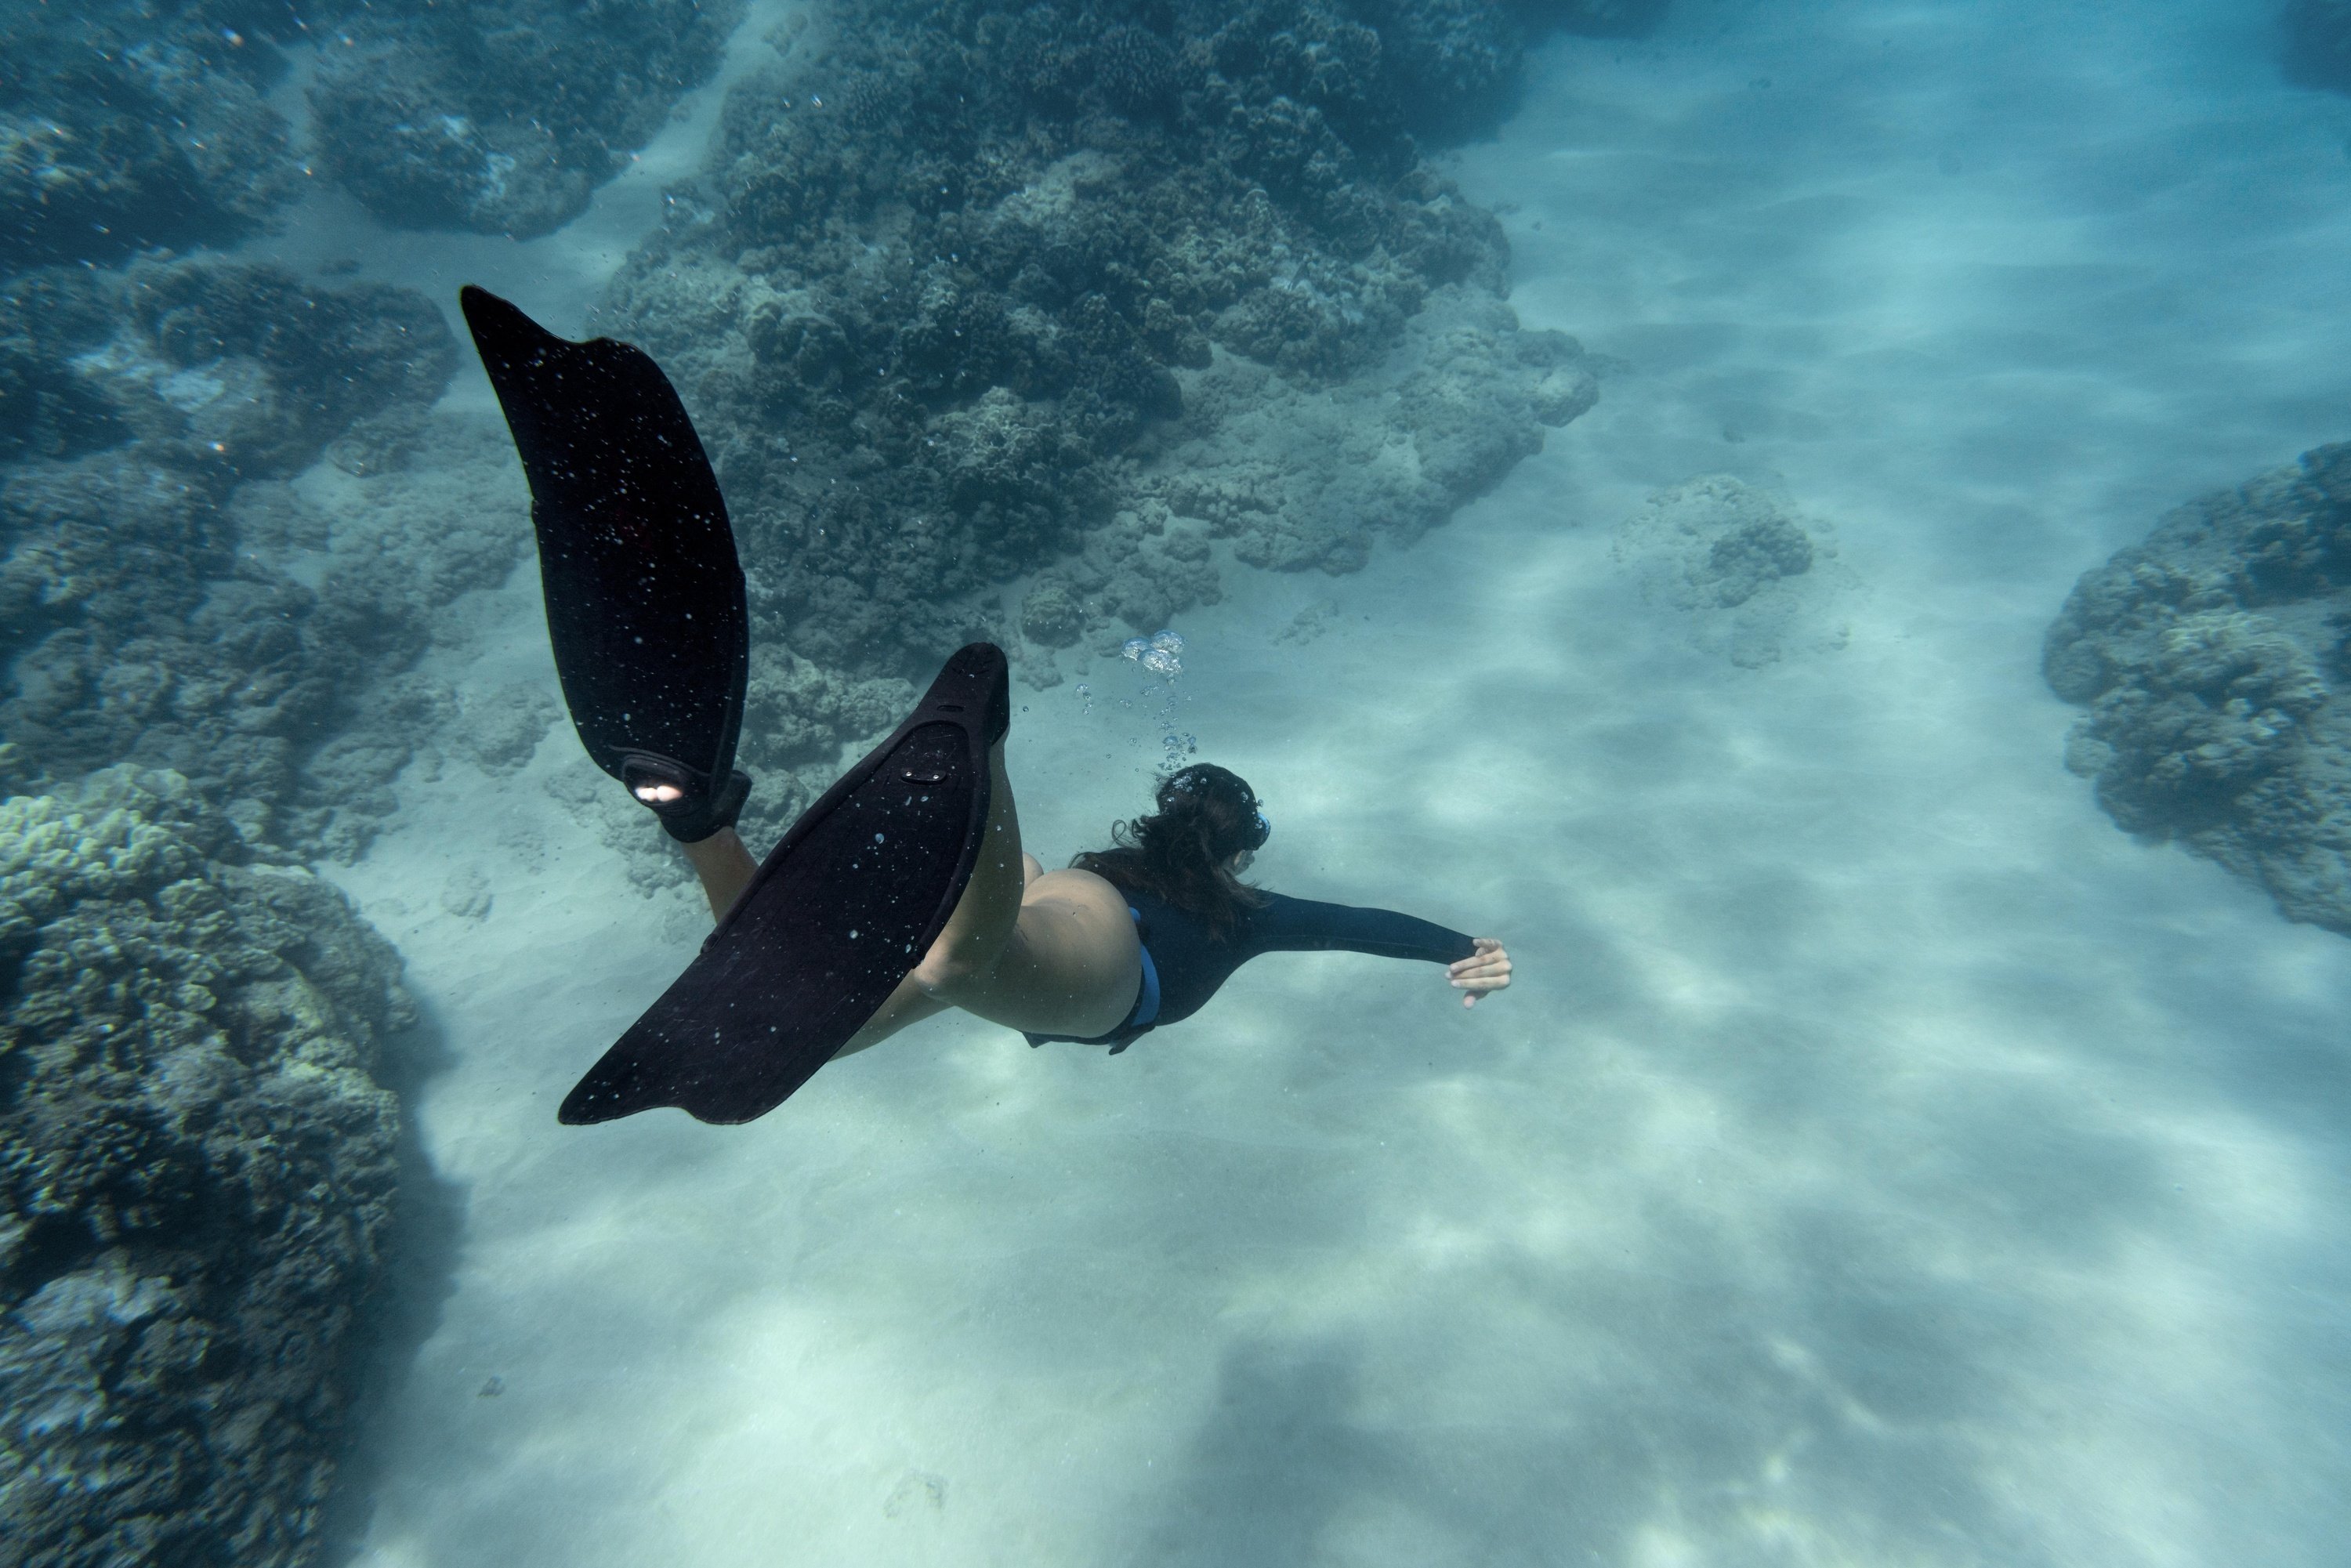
x=196 y=1179
x=1451 y=67
x=501 y=731
x=503 y=116
x=263 y=369
x=2317 y=43
x=125 y=125
x=166 y=599
x=797 y=712
x=47 y=407
x=1751 y=576
x=230 y=370
x=1307 y=477
x=1050 y=616
x=974 y=292
x=2209 y=658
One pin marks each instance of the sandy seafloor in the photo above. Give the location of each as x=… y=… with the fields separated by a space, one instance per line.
x=1881 y=1159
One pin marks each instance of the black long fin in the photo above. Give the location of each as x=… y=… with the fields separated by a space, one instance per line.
x=644 y=595
x=838 y=914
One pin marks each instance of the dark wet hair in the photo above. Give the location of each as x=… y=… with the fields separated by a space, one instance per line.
x=1207 y=815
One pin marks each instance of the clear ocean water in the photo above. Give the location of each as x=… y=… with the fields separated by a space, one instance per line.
x=1881 y=1158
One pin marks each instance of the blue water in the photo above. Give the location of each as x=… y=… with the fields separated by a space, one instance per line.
x=1880 y=1159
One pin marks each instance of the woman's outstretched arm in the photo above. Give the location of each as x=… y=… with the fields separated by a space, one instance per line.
x=1299 y=925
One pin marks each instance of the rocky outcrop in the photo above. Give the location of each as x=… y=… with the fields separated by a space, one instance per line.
x=2210 y=660
x=1748 y=576
x=131 y=124
x=196 y=1179
x=124 y=125
x=1062 y=298
x=501 y=115
x=170 y=599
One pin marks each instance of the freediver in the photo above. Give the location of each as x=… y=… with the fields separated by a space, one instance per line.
x=906 y=889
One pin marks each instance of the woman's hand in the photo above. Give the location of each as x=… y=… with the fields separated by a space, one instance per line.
x=1487 y=969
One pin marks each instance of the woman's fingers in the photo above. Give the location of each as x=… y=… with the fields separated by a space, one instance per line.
x=1487 y=969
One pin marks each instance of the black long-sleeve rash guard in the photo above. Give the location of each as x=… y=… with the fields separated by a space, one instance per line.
x=1192 y=963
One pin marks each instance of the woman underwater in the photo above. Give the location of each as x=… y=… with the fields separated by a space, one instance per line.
x=905 y=889
x=1129 y=937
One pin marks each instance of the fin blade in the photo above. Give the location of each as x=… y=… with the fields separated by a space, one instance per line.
x=645 y=604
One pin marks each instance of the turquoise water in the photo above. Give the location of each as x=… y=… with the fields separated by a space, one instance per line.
x=1880 y=1158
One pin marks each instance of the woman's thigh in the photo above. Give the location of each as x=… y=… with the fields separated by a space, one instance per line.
x=1073 y=964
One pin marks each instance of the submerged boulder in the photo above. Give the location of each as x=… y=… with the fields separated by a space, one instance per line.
x=977 y=295
x=196 y=1179
x=130 y=123
x=503 y=116
x=167 y=597
x=1746 y=574
x=2209 y=660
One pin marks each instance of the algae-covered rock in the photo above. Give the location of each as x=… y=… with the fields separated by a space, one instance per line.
x=1748 y=575
x=1309 y=475
x=503 y=116
x=196 y=1179
x=126 y=124
x=2209 y=659
x=167 y=598
x=264 y=368
x=976 y=291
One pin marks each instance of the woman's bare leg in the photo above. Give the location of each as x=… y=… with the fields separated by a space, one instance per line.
x=910 y=1003
x=984 y=918
x=725 y=866
x=980 y=926
x=723 y=863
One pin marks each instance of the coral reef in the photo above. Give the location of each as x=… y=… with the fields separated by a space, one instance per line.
x=132 y=124
x=501 y=115
x=196 y=1179
x=2315 y=43
x=1751 y=575
x=168 y=598
x=2209 y=659
x=124 y=125
x=1452 y=66
x=974 y=293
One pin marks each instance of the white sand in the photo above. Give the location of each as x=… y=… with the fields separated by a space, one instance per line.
x=1881 y=1160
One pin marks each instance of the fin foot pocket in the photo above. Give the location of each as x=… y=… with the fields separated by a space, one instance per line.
x=838 y=914
x=690 y=808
